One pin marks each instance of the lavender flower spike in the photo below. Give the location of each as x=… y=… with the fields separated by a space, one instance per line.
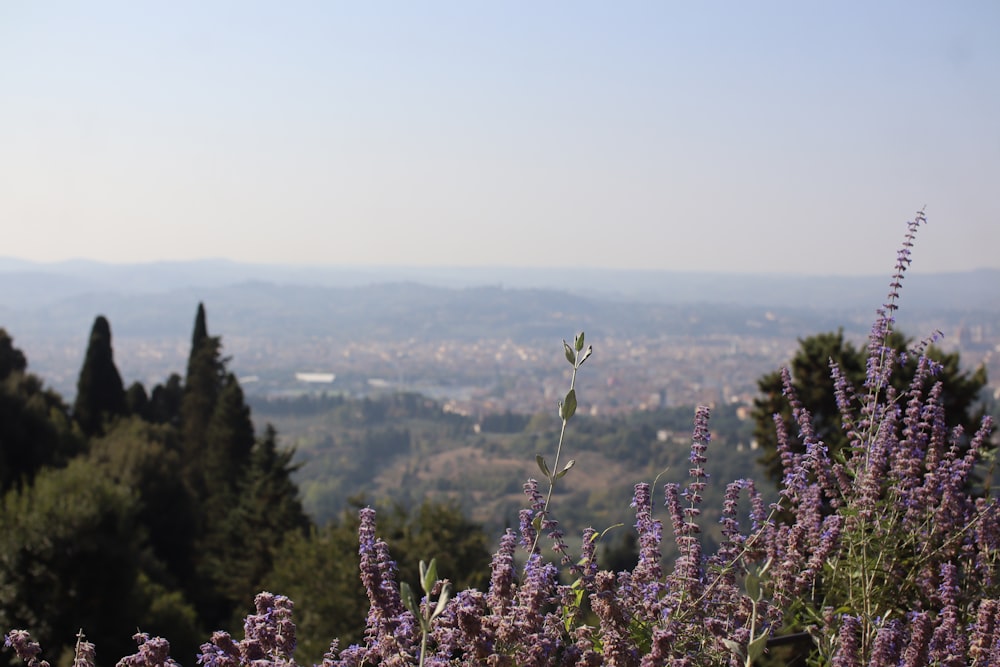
x=24 y=647
x=153 y=652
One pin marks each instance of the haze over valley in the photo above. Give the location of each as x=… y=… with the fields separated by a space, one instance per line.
x=482 y=341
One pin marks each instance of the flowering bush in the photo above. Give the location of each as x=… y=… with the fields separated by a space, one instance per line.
x=880 y=554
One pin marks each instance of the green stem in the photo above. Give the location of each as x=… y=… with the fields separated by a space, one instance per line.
x=555 y=464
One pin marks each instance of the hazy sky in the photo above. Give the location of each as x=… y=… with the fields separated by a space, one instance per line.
x=742 y=136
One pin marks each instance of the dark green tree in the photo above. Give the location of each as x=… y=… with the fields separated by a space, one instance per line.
x=621 y=553
x=145 y=457
x=206 y=377
x=35 y=425
x=217 y=433
x=229 y=437
x=810 y=370
x=69 y=559
x=100 y=394
x=165 y=401
x=12 y=360
x=233 y=547
x=137 y=401
x=264 y=509
x=222 y=469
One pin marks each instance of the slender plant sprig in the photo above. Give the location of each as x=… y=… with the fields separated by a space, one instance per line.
x=428 y=579
x=575 y=355
x=84 y=654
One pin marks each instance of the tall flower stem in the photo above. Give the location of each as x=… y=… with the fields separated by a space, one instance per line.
x=575 y=355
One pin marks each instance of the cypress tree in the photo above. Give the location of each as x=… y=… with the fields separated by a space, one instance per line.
x=264 y=509
x=217 y=438
x=230 y=436
x=100 y=393
x=204 y=381
x=200 y=332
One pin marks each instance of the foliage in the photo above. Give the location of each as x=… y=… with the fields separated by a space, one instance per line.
x=264 y=511
x=70 y=553
x=35 y=426
x=165 y=402
x=425 y=452
x=145 y=458
x=12 y=360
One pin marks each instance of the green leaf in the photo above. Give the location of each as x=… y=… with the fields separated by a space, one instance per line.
x=442 y=601
x=586 y=355
x=540 y=460
x=734 y=647
x=578 y=341
x=409 y=600
x=429 y=577
x=569 y=405
x=757 y=646
x=570 y=355
x=562 y=473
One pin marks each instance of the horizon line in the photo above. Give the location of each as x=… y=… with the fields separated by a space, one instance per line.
x=467 y=268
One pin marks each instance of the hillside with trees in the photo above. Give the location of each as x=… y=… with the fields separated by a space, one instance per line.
x=165 y=510
x=406 y=448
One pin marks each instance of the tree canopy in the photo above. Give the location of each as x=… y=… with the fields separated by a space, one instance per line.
x=35 y=425
x=814 y=387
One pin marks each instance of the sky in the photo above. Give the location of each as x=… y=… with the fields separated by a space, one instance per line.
x=764 y=137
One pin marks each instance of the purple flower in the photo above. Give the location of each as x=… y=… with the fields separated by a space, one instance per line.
x=24 y=647
x=270 y=633
x=85 y=654
x=848 y=652
x=915 y=653
x=153 y=652
x=501 y=591
x=984 y=642
x=888 y=645
x=606 y=601
x=881 y=356
x=647 y=572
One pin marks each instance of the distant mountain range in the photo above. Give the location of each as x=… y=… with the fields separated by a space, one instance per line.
x=31 y=284
x=61 y=299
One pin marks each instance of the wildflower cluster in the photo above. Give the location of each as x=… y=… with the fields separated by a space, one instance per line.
x=25 y=648
x=879 y=554
x=153 y=652
x=269 y=638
